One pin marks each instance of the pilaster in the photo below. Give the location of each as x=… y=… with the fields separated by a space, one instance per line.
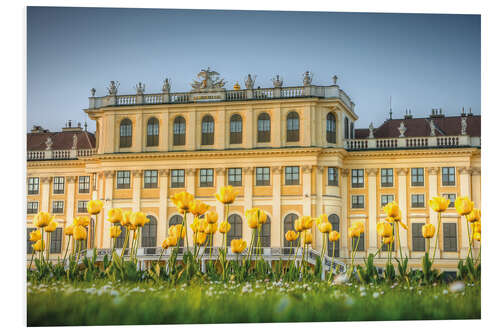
x=465 y=191
x=248 y=131
x=372 y=209
x=70 y=202
x=136 y=190
x=476 y=187
x=45 y=191
x=433 y=216
x=163 y=221
x=402 y=199
x=344 y=221
x=190 y=180
x=139 y=133
x=319 y=202
x=108 y=204
x=219 y=207
x=276 y=133
x=247 y=198
x=276 y=203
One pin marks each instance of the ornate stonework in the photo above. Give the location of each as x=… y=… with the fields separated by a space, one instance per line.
x=71 y=179
x=476 y=171
x=137 y=173
x=402 y=171
x=209 y=81
x=190 y=171
x=276 y=170
x=306 y=168
x=46 y=180
x=433 y=170
x=344 y=172
x=464 y=170
x=247 y=170
x=109 y=173
x=220 y=171
x=164 y=172
x=372 y=171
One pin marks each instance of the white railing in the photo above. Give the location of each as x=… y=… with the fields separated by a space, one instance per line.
x=85 y=152
x=36 y=155
x=226 y=95
x=413 y=142
x=66 y=154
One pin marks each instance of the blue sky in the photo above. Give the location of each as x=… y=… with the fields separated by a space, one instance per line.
x=423 y=61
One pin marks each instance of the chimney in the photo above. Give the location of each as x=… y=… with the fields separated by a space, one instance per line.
x=463 y=112
x=437 y=113
x=408 y=114
x=470 y=112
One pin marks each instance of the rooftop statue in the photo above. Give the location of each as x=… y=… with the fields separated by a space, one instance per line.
x=250 y=81
x=402 y=130
x=209 y=80
x=277 y=83
x=113 y=88
x=75 y=141
x=371 y=128
x=48 y=143
x=166 y=86
x=307 y=78
x=141 y=88
x=433 y=128
x=464 y=126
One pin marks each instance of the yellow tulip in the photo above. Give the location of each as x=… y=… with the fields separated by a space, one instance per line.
x=164 y=244
x=291 y=235
x=262 y=216
x=388 y=240
x=115 y=231
x=439 y=204
x=182 y=200
x=138 y=219
x=195 y=226
x=384 y=229
x=474 y=215
x=325 y=227
x=201 y=238
x=298 y=225
x=428 y=230
x=463 y=205
x=477 y=236
x=252 y=218
x=476 y=227
x=211 y=217
x=79 y=232
x=307 y=222
x=68 y=231
x=115 y=215
x=126 y=214
x=131 y=227
x=224 y=227
x=359 y=225
x=392 y=210
x=177 y=231
x=81 y=220
x=238 y=245
x=35 y=235
x=42 y=219
x=210 y=228
x=39 y=246
x=226 y=194
x=333 y=236
x=356 y=229
x=171 y=241
x=94 y=207
x=198 y=208
x=323 y=218
x=308 y=237
x=52 y=226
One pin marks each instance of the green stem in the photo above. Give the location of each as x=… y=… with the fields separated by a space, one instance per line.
x=437 y=237
x=161 y=253
x=469 y=253
x=67 y=247
x=331 y=264
x=353 y=254
x=124 y=247
x=32 y=255
x=399 y=242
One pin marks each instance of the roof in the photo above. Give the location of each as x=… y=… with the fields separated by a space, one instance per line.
x=61 y=140
x=418 y=127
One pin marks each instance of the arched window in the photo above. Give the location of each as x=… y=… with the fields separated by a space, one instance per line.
x=152 y=132
x=120 y=240
x=207 y=130
x=125 y=133
x=148 y=232
x=263 y=128
x=174 y=220
x=179 y=131
x=346 y=128
x=265 y=233
x=352 y=130
x=289 y=225
x=292 y=127
x=236 y=228
x=235 y=129
x=331 y=128
x=335 y=221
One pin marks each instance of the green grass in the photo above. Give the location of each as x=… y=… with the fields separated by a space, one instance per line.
x=106 y=303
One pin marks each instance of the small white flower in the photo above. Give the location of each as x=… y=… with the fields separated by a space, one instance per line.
x=376 y=294
x=445 y=291
x=457 y=286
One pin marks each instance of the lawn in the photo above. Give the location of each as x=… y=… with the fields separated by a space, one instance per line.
x=107 y=303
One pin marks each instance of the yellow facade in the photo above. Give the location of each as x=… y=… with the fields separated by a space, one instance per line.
x=312 y=154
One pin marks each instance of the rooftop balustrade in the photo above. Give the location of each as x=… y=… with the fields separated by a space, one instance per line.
x=413 y=142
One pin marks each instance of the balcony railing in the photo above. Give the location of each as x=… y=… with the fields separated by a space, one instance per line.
x=223 y=95
x=412 y=142
x=66 y=154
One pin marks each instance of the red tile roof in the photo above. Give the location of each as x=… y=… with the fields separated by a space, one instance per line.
x=421 y=127
x=61 y=140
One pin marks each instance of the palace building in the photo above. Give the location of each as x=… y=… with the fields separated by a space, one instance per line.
x=291 y=151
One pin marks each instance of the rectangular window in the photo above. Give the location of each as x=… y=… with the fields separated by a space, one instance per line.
x=33 y=185
x=386 y=198
x=357 y=178
x=292 y=175
x=32 y=207
x=333 y=176
x=150 y=178
x=82 y=206
x=84 y=184
x=234 y=176
x=30 y=243
x=123 y=179
x=418 y=241
x=417 y=200
x=206 y=177
x=449 y=237
x=361 y=243
x=262 y=176
x=58 y=185
x=358 y=201
x=452 y=198
x=448 y=176
x=57 y=207
x=386 y=177
x=417 y=176
x=56 y=241
x=177 y=178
